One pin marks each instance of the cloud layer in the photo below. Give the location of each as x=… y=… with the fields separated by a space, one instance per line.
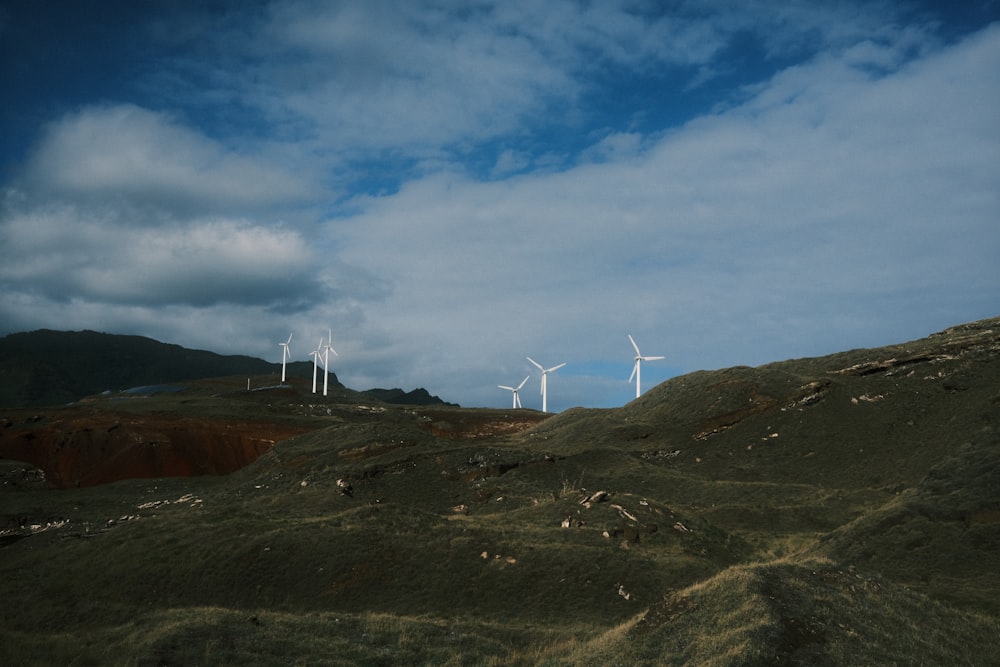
x=453 y=188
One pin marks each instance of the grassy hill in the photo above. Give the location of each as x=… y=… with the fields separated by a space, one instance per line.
x=833 y=511
x=47 y=367
x=51 y=367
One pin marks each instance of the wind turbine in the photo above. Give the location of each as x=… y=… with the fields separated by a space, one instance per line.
x=514 y=390
x=315 y=354
x=285 y=354
x=637 y=369
x=545 y=374
x=327 y=349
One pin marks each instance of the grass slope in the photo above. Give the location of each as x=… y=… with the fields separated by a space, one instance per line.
x=839 y=510
x=46 y=367
x=51 y=367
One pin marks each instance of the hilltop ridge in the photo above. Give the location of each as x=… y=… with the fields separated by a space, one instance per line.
x=47 y=367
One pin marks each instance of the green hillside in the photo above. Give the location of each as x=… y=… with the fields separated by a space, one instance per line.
x=842 y=510
x=51 y=367
x=45 y=367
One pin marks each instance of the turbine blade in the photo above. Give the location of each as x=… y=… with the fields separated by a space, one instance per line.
x=536 y=364
x=634 y=369
x=555 y=368
x=652 y=358
x=634 y=345
x=524 y=381
x=503 y=386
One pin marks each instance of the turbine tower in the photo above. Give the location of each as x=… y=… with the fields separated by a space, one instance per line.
x=285 y=354
x=514 y=390
x=545 y=374
x=327 y=349
x=315 y=354
x=637 y=369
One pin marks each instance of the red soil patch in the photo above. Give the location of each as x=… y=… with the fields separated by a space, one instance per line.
x=90 y=449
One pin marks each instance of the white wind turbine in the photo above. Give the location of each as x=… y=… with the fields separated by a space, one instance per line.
x=285 y=354
x=327 y=349
x=315 y=354
x=545 y=374
x=514 y=390
x=637 y=369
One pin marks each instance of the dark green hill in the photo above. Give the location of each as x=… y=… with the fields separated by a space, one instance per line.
x=47 y=367
x=419 y=396
x=833 y=511
x=50 y=367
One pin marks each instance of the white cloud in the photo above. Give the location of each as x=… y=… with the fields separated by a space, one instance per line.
x=405 y=77
x=823 y=209
x=134 y=154
x=123 y=257
x=510 y=161
x=431 y=79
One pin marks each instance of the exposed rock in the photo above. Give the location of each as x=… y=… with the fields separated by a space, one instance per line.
x=625 y=513
x=884 y=365
x=596 y=497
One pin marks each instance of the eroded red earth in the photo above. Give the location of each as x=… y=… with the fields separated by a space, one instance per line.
x=78 y=450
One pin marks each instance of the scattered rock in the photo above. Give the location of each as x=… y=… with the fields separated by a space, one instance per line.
x=661 y=454
x=625 y=513
x=594 y=498
x=885 y=365
x=811 y=393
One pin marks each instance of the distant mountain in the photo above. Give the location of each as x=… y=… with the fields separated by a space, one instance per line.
x=419 y=396
x=46 y=367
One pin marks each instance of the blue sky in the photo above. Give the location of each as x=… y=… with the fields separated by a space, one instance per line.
x=454 y=186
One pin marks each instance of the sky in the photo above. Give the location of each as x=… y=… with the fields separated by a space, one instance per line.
x=451 y=187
